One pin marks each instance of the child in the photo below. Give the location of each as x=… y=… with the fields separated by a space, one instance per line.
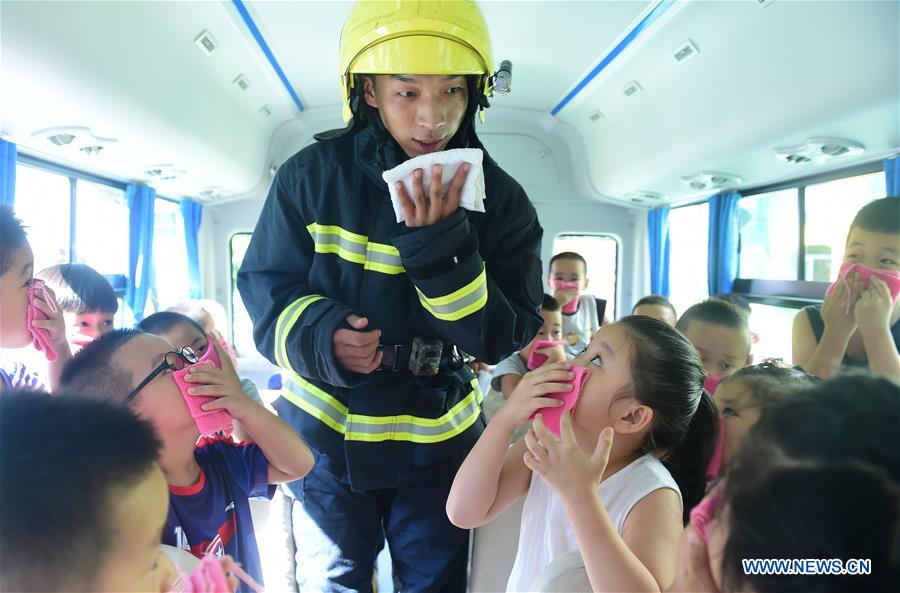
x=210 y=315
x=743 y=396
x=858 y=323
x=621 y=506
x=509 y=371
x=210 y=481
x=720 y=333
x=88 y=301
x=816 y=478
x=582 y=313
x=657 y=307
x=16 y=267
x=84 y=500
x=180 y=330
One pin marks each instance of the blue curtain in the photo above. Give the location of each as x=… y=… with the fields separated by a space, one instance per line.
x=7 y=172
x=192 y=214
x=658 y=233
x=892 y=176
x=141 y=200
x=723 y=242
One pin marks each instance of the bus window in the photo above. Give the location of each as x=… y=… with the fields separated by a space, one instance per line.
x=769 y=236
x=601 y=252
x=169 y=259
x=689 y=235
x=830 y=208
x=101 y=227
x=43 y=204
x=241 y=325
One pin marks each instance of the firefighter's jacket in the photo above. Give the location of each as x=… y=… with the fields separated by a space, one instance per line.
x=327 y=244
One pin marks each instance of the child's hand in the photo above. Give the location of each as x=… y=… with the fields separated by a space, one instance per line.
x=55 y=324
x=834 y=305
x=223 y=384
x=693 y=573
x=528 y=396
x=563 y=464
x=565 y=296
x=553 y=354
x=874 y=308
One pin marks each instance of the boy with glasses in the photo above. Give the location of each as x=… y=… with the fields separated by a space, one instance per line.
x=210 y=481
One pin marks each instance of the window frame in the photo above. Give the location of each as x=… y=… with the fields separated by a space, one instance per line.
x=618 y=242
x=232 y=280
x=74 y=175
x=799 y=293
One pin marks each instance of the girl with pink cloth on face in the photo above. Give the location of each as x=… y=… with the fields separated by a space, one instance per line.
x=858 y=323
x=29 y=313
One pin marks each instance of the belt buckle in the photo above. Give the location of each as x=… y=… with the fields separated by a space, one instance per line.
x=425 y=356
x=390 y=357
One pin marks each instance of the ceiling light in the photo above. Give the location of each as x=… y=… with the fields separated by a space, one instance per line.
x=707 y=180
x=61 y=139
x=818 y=150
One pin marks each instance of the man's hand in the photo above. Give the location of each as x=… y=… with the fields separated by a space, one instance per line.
x=357 y=351
x=423 y=209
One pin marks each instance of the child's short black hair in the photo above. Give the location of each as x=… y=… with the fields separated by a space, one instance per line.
x=771 y=384
x=818 y=477
x=549 y=303
x=714 y=311
x=80 y=288
x=735 y=299
x=12 y=236
x=64 y=461
x=658 y=300
x=163 y=321
x=92 y=372
x=879 y=216
x=568 y=255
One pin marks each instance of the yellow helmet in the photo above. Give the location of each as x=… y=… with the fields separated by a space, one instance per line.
x=415 y=37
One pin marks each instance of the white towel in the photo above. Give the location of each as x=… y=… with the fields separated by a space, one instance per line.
x=472 y=197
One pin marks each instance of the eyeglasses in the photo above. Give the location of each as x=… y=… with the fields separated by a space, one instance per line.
x=173 y=361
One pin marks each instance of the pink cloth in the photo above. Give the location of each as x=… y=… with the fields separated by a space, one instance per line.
x=712 y=382
x=41 y=336
x=552 y=416
x=568 y=308
x=705 y=512
x=890 y=277
x=535 y=358
x=209 y=422
x=209 y=577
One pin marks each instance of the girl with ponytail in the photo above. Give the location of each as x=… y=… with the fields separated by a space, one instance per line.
x=629 y=465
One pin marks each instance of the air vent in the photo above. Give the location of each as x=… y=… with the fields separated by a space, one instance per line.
x=632 y=89
x=637 y=200
x=710 y=180
x=163 y=172
x=211 y=193
x=91 y=150
x=206 y=42
x=61 y=139
x=241 y=82
x=266 y=111
x=597 y=115
x=685 y=52
x=818 y=150
x=647 y=196
x=764 y=3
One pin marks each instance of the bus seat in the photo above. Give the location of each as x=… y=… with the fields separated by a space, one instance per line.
x=566 y=574
x=494 y=549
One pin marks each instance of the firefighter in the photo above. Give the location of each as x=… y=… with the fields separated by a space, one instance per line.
x=371 y=320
